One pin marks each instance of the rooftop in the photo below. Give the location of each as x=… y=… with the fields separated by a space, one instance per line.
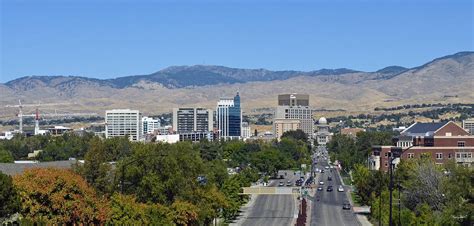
x=423 y=129
x=18 y=168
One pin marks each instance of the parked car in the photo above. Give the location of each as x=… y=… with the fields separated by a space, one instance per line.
x=289 y=183
x=340 y=189
x=346 y=206
x=281 y=183
x=320 y=188
x=321 y=182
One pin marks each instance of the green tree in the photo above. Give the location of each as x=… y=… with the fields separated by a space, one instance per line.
x=5 y=156
x=125 y=210
x=296 y=135
x=231 y=189
x=9 y=200
x=96 y=169
x=345 y=151
x=216 y=172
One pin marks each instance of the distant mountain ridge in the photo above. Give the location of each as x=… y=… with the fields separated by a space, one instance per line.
x=188 y=76
x=448 y=79
x=204 y=75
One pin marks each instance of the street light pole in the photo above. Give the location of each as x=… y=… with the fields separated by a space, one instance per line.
x=380 y=202
x=390 y=223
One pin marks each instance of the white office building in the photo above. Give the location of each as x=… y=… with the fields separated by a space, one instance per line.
x=149 y=125
x=246 y=132
x=123 y=122
x=468 y=125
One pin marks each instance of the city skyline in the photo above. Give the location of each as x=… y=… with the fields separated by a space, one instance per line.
x=347 y=112
x=91 y=39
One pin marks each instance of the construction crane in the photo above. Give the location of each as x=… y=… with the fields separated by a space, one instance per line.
x=36 y=115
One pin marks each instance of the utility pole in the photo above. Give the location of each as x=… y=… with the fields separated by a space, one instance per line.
x=380 y=202
x=399 y=203
x=395 y=152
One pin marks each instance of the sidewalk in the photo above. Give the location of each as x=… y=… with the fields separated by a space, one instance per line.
x=363 y=220
x=312 y=194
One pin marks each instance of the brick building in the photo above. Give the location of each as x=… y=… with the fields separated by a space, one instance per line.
x=443 y=142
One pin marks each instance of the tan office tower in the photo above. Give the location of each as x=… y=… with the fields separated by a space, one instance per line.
x=295 y=106
x=293 y=100
x=281 y=126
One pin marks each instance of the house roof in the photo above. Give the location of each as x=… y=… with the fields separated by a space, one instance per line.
x=423 y=129
x=18 y=168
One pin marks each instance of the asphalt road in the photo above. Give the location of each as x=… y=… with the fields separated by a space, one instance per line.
x=328 y=210
x=273 y=210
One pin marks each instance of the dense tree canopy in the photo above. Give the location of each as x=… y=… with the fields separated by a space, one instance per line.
x=5 y=156
x=349 y=151
x=295 y=134
x=179 y=184
x=54 y=147
x=58 y=196
x=430 y=194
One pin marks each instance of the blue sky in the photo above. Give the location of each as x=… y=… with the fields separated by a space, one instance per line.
x=111 y=38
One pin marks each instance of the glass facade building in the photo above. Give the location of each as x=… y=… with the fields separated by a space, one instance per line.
x=229 y=118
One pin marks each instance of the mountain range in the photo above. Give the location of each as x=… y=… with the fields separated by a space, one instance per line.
x=445 y=79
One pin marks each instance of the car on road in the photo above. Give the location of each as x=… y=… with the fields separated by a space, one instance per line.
x=326 y=167
x=340 y=189
x=281 y=183
x=320 y=188
x=299 y=182
x=322 y=171
x=329 y=189
x=321 y=182
x=329 y=178
x=289 y=183
x=346 y=206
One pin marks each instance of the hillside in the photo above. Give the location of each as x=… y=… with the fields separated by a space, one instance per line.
x=446 y=79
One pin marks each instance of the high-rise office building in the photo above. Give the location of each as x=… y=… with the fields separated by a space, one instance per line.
x=295 y=106
x=149 y=125
x=229 y=118
x=187 y=120
x=123 y=122
x=293 y=99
